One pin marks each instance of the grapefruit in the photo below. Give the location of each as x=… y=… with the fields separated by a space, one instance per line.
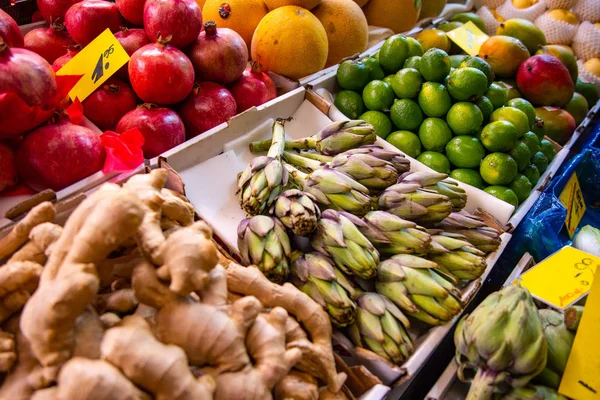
x=544 y=80
x=308 y=4
x=559 y=125
x=431 y=8
x=564 y=55
x=243 y=16
x=397 y=15
x=504 y=54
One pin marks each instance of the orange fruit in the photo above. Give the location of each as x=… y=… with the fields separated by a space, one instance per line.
x=504 y=54
x=397 y=15
x=308 y=4
x=242 y=16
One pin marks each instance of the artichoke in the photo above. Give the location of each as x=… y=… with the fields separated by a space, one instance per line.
x=503 y=340
x=450 y=189
x=534 y=392
x=413 y=284
x=456 y=256
x=461 y=220
x=393 y=235
x=398 y=161
x=263 y=241
x=338 y=237
x=476 y=232
x=265 y=177
x=380 y=328
x=297 y=211
x=317 y=276
x=335 y=138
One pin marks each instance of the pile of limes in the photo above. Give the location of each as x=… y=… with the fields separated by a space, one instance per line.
x=456 y=120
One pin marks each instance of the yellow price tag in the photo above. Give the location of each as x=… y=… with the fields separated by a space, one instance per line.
x=572 y=198
x=581 y=380
x=468 y=37
x=563 y=278
x=96 y=63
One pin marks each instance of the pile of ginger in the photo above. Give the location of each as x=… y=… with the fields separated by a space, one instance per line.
x=132 y=300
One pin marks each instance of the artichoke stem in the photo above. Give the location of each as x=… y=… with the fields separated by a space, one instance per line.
x=302 y=162
x=482 y=386
x=297 y=176
x=573 y=317
x=299 y=144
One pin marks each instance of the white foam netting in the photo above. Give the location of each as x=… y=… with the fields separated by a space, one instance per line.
x=556 y=32
x=584 y=73
x=587 y=10
x=586 y=43
x=491 y=4
x=491 y=24
x=556 y=4
x=509 y=11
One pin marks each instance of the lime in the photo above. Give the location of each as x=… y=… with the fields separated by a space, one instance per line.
x=532 y=141
x=406 y=114
x=499 y=136
x=578 y=108
x=521 y=186
x=406 y=141
x=349 y=103
x=352 y=75
x=376 y=56
x=393 y=53
x=521 y=154
x=375 y=70
x=480 y=64
x=540 y=161
x=449 y=26
x=407 y=83
x=524 y=106
x=464 y=118
x=388 y=79
x=511 y=91
x=498 y=169
x=588 y=90
x=465 y=151
x=378 y=95
x=435 y=65
x=381 y=123
x=436 y=161
x=532 y=173
x=456 y=59
x=434 y=99
x=414 y=47
x=503 y=193
x=467 y=84
x=486 y=107
x=548 y=149
x=497 y=95
x=413 y=62
x=469 y=16
x=513 y=115
x=434 y=134
x=468 y=176
x=539 y=128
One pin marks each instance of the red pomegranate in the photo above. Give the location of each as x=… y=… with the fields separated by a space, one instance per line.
x=219 y=54
x=132 y=10
x=54 y=10
x=9 y=30
x=88 y=19
x=253 y=88
x=545 y=81
x=209 y=105
x=60 y=62
x=49 y=43
x=57 y=155
x=28 y=91
x=161 y=74
x=132 y=40
x=8 y=167
x=36 y=17
x=181 y=19
x=161 y=127
x=109 y=103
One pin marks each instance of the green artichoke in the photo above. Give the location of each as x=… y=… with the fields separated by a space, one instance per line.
x=399 y=161
x=297 y=211
x=413 y=284
x=317 y=276
x=450 y=189
x=461 y=220
x=263 y=241
x=503 y=340
x=474 y=229
x=393 y=235
x=338 y=237
x=381 y=328
x=534 y=392
x=456 y=256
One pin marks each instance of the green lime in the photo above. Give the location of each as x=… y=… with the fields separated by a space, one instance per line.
x=352 y=75
x=468 y=176
x=464 y=118
x=513 y=115
x=434 y=134
x=467 y=84
x=393 y=53
x=548 y=149
x=539 y=128
x=498 y=169
x=578 y=108
x=407 y=83
x=524 y=106
x=497 y=95
x=532 y=141
x=588 y=90
x=532 y=173
x=486 y=107
x=465 y=151
x=436 y=161
x=540 y=161
x=388 y=79
x=414 y=47
x=434 y=99
x=521 y=154
x=449 y=26
x=349 y=103
x=406 y=114
x=375 y=70
x=480 y=64
x=512 y=92
x=499 y=136
x=435 y=65
x=456 y=59
x=469 y=16
x=406 y=141
x=381 y=123
x=503 y=193
x=521 y=186
x=378 y=96
x=376 y=56
x=413 y=62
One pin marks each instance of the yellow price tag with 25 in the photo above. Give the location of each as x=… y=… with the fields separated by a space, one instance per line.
x=468 y=37
x=96 y=63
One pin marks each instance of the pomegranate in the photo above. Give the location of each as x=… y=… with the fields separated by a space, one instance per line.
x=60 y=62
x=132 y=11
x=131 y=40
x=219 y=54
x=88 y=19
x=57 y=155
x=54 y=10
x=109 y=103
x=181 y=19
x=9 y=30
x=209 y=105
x=545 y=81
x=28 y=91
x=253 y=88
x=36 y=17
x=161 y=127
x=161 y=74
x=8 y=167
x=49 y=43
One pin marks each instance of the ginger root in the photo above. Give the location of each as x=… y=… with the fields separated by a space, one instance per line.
x=17 y=281
x=39 y=246
x=43 y=212
x=110 y=320
x=297 y=386
x=88 y=335
x=8 y=354
x=122 y=301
